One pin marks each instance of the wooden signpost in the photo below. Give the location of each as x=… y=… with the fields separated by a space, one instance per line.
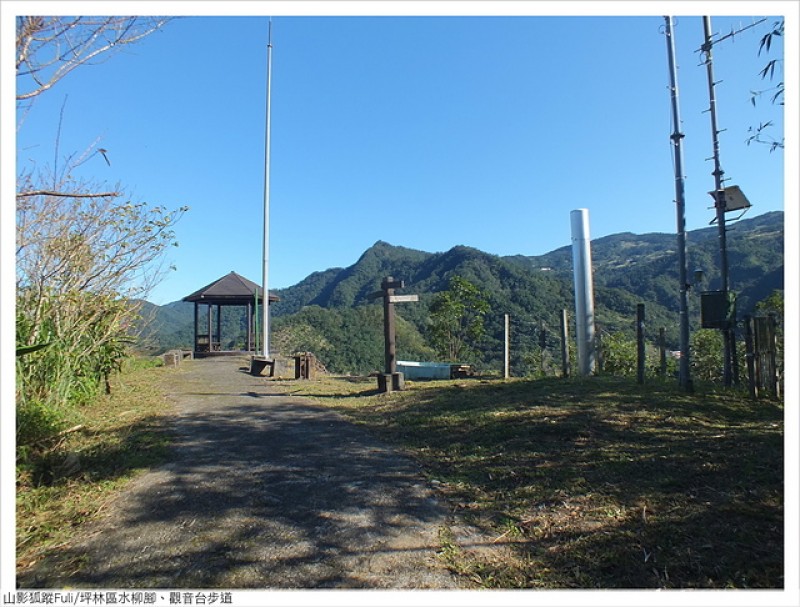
x=390 y=379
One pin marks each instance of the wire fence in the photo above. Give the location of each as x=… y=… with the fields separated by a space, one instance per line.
x=538 y=349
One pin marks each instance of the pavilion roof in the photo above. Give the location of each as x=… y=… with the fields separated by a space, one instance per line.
x=231 y=288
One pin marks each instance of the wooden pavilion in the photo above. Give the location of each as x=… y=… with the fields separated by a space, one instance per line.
x=232 y=290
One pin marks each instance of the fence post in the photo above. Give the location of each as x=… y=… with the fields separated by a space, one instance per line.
x=564 y=344
x=598 y=349
x=506 y=349
x=773 y=359
x=734 y=358
x=758 y=359
x=662 y=346
x=750 y=356
x=640 y=343
x=542 y=346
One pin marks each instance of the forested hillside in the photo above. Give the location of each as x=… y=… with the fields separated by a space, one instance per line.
x=646 y=265
x=330 y=313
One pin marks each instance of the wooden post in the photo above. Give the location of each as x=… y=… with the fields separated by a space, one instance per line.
x=750 y=356
x=640 y=352
x=542 y=346
x=219 y=326
x=758 y=359
x=599 y=349
x=662 y=346
x=195 y=326
x=209 y=327
x=772 y=324
x=734 y=357
x=390 y=379
x=564 y=344
x=389 y=344
x=506 y=349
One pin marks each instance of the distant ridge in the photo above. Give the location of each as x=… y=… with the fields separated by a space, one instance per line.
x=644 y=265
x=628 y=269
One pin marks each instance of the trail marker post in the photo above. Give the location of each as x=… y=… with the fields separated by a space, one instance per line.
x=391 y=380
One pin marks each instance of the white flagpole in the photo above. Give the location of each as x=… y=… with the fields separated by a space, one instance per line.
x=265 y=275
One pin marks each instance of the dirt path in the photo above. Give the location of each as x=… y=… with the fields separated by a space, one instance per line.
x=265 y=491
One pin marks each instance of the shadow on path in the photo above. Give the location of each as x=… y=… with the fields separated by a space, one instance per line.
x=263 y=493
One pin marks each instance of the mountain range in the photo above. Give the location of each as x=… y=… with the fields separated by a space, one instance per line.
x=628 y=269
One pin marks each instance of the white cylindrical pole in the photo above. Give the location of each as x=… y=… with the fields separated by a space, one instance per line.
x=584 y=290
x=265 y=275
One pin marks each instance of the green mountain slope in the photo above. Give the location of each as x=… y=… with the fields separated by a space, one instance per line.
x=646 y=265
x=330 y=312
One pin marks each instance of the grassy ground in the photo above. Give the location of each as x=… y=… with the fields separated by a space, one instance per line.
x=64 y=482
x=593 y=483
x=596 y=483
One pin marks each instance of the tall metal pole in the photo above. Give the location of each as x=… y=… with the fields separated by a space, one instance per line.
x=719 y=194
x=684 y=377
x=584 y=291
x=265 y=275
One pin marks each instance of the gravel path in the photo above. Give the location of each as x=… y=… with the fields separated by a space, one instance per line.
x=265 y=491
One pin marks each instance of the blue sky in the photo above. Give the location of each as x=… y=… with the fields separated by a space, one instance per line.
x=426 y=132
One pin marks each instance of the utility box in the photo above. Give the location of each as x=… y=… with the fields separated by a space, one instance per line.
x=717 y=309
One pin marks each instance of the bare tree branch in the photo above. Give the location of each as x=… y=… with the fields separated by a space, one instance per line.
x=49 y=48
x=67 y=194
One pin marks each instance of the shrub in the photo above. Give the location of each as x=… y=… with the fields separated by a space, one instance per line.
x=707 y=355
x=618 y=354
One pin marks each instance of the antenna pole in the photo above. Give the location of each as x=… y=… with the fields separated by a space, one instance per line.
x=684 y=377
x=719 y=194
x=265 y=275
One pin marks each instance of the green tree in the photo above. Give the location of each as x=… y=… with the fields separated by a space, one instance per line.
x=457 y=320
x=772 y=304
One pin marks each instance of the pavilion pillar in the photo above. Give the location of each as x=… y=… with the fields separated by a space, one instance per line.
x=195 y=326
x=249 y=326
x=219 y=326
x=209 y=306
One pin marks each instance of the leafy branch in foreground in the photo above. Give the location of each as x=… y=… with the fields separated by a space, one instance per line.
x=759 y=134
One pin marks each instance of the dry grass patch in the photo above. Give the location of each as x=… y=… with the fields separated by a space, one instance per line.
x=68 y=480
x=594 y=483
